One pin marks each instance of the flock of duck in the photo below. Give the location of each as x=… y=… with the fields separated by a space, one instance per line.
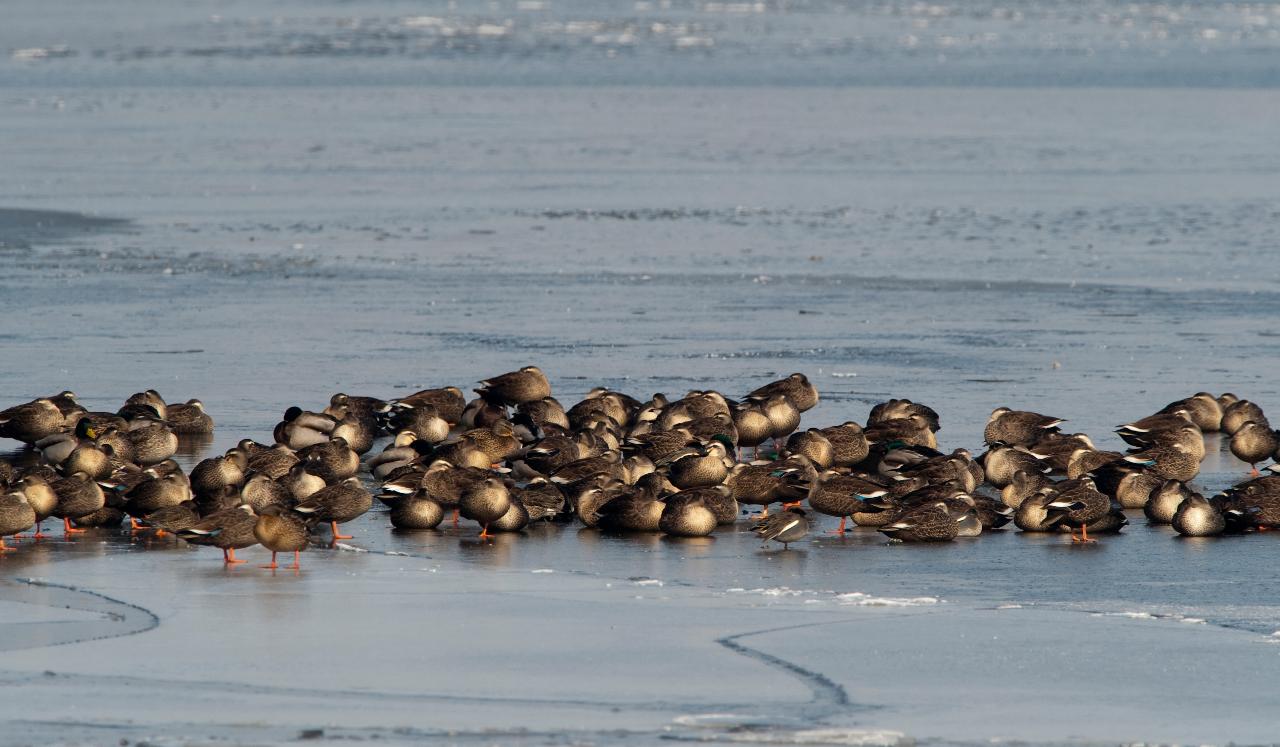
x=514 y=455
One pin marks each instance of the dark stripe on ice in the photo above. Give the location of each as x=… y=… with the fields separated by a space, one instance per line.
x=118 y=618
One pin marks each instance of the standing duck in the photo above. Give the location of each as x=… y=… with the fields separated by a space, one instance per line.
x=279 y=531
x=229 y=529
x=1088 y=505
x=78 y=497
x=41 y=497
x=834 y=494
x=337 y=504
x=786 y=527
x=485 y=502
x=848 y=443
x=1253 y=442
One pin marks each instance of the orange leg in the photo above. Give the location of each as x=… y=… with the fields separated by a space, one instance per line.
x=273 y=565
x=6 y=548
x=67 y=528
x=134 y=526
x=792 y=504
x=484 y=533
x=337 y=536
x=455 y=517
x=229 y=557
x=765 y=513
x=841 y=530
x=39 y=531
x=297 y=560
x=161 y=532
x=1253 y=470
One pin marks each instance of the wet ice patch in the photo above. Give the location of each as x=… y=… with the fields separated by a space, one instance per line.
x=349 y=548
x=542 y=570
x=859 y=599
x=645 y=581
x=845 y=599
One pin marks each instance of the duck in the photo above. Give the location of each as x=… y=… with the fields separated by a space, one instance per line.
x=332 y=460
x=634 y=511
x=719 y=499
x=1240 y=412
x=517 y=387
x=687 y=515
x=700 y=467
x=274 y=461
x=659 y=446
x=155 y=493
x=78 y=497
x=448 y=402
x=1086 y=461
x=337 y=504
x=16 y=516
x=899 y=409
x=1056 y=449
x=840 y=495
x=417 y=511
x=56 y=448
x=913 y=430
x=752 y=424
x=1023 y=485
x=1018 y=427
x=211 y=476
x=187 y=418
x=148 y=403
x=91 y=459
x=1087 y=505
x=1134 y=489
x=930 y=522
x=1172 y=462
x=549 y=412
x=849 y=444
x=362 y=408
x=1042 y=511
x=814 y=446
x=1204 y=409
x=796 y=388
x=301 y=482
x=485 y=502
x=498 y=441
x=541 y=499
x=229 y=529
x=756 y=484
x=1198 y=517
x=788 y=526
x=1253 y=442
x=424 y=421
x=1002 y=462
x=299 y=428
x=515 y=519
x=172 y=519
x=32 y=421
x=783 y=415
x=152 y=440
x=358 y=434
x=397 y=454
x=279 y=531
x=261 y=491
x=40 y=495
